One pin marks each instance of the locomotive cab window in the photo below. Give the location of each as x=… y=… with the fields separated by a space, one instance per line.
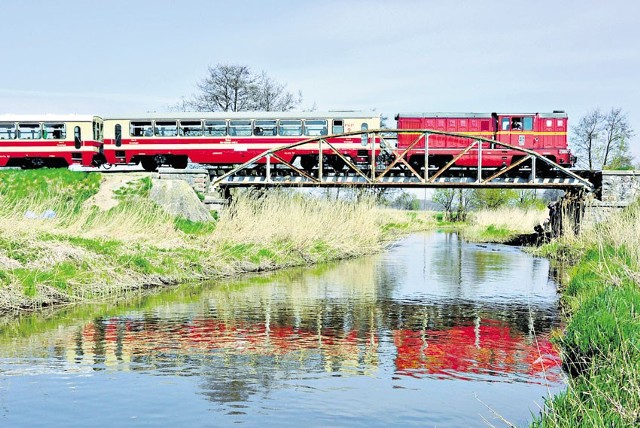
x=241 y=128
x=516 y=124
x=191 y=128
x=504 y=126
x=141 y=129
x=29 y=131
x=315 y=127
x=54 y=131
x=338 y=126
x=264 y=127
x=7 y=131
x=215 y=128
x=166 y=129
x=527 y=124
x=290 y=128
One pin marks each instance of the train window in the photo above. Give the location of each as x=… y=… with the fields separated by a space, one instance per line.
x=54 y=131
x=240 y=128
x=560 y=123
x=166 y=128
x=290 y=128
x=527 y=124
x=215 y=128
x=364 y=138
x=516 y=124
x=29 y=131
x=118 y=132
x=77 y=137
x=7 y=131
x=264 y=127
x=505 y=124
x=141 y=129
x=315 y=127
x=191 y=128
x=338 y=126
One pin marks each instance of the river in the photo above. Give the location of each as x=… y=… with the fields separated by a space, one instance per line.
x=433 y=332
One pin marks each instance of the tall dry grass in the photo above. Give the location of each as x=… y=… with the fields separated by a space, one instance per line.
x=300 y=220
x=501 y=224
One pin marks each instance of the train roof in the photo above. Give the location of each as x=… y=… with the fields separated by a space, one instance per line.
x=444 y=115
x=245 y=115
x=48 y=117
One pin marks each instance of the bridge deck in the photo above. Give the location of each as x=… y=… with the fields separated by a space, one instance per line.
x=402 y=182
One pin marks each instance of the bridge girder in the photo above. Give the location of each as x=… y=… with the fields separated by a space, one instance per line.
x=378 y=141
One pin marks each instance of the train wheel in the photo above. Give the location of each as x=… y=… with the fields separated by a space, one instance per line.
x=337 y=164
x=149 y=163
x=307 y=162
x=179 y=162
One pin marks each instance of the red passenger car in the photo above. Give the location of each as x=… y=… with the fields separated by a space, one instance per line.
x=546 y=133
x=33 y=141
x=226 y=138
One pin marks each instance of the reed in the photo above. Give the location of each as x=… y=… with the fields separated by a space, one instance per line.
x=502 y=224
x=56 y=248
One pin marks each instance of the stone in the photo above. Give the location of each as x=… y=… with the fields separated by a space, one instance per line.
x=178 y=198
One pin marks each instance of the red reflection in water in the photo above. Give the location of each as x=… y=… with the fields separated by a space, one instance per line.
x=490 y=348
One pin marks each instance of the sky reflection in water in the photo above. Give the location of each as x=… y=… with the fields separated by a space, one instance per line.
x=425 y=334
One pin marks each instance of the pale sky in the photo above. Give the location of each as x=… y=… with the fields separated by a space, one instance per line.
x=72 y=56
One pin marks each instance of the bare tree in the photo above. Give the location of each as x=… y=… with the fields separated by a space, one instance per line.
x=271 y=96
x=602 y=140
x=231 y=87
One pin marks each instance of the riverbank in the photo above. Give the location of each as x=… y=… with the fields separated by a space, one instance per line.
x=58 y=247
x=502 y=225
x=600 y=345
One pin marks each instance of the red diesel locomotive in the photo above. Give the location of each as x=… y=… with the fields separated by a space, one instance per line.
x=545 y=133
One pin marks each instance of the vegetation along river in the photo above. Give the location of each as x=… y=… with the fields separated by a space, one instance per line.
x=434 y=332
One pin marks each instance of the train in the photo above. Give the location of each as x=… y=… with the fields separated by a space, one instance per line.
x=225 y=139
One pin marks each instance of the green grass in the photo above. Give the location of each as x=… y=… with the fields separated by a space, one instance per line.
x=600 y=345
x=135 y=189
x=61 y=184
x=193 y=227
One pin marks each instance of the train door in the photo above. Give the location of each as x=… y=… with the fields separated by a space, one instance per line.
x=516 y=130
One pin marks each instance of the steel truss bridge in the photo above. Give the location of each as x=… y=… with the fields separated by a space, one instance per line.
x=270 y=169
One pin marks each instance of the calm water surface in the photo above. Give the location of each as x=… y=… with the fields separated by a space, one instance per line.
x=435 y=332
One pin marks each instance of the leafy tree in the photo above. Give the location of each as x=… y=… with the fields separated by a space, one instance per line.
x=495 y=198
x=601 y=141
x=406 y=201
x=456 y=202
x=230 y=87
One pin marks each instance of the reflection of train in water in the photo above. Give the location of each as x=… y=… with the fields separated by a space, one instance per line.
x=224 y=139
x=490 y=348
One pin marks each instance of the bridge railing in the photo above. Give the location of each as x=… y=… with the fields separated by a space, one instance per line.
x=381 y=141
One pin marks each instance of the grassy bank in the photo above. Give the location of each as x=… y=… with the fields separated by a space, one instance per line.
x=600 y=345
x=502 y=224
x=57 y=247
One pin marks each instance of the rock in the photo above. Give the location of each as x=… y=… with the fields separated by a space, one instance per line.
x=178 y=199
